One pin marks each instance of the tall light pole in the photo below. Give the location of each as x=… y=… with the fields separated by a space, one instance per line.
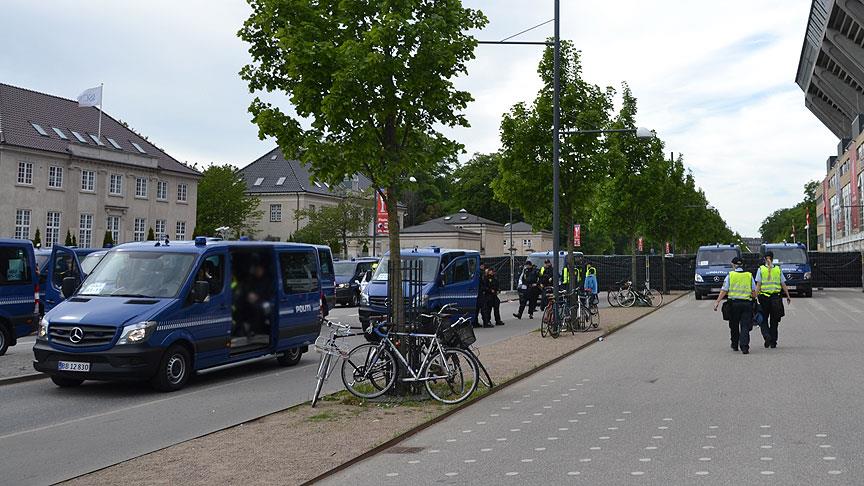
x=556 y=148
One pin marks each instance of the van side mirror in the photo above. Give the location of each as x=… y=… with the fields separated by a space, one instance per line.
x=68 y=286
x=200 y=290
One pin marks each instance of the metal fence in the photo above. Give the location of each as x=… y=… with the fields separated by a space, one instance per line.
x=830 y=270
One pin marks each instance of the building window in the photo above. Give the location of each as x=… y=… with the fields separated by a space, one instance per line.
x=55 y=177
x=113 y=227
x=25 y=173
x=160 y=229
x=275 y=213
x=162 y=191
x=88 y=180
x=141 y=187
x=115 y=188
x=140 y=229
x=22 y=224
x=180 y=234
x=52 y=228
x=85 y=231
x=846 y=202
x=181 y=192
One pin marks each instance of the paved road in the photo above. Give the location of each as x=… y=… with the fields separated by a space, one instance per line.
x=49 y=434
x=664 y=401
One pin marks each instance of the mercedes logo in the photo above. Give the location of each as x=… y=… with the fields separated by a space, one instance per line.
x=76 y=335
x=788 y=276
x=716 y=279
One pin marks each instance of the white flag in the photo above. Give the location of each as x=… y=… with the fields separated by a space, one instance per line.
x=90 y=97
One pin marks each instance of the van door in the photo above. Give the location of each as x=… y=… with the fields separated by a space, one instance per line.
x=460 y=282
x=63 y=263
x=327 y=277
x=17 y=294
x=299 y=297
x=211 y=334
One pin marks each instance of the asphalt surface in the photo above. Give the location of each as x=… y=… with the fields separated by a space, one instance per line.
x=664 y=401
x=48 y=434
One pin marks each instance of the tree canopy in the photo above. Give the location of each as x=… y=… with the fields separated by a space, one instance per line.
x=222 y=201
x=778 y=226
x=333 y=225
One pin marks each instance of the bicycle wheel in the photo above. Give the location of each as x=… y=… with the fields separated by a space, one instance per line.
x=626 y=298
x=485 y=379
x=368 y=372
x=323 y=368
x=612 y=297
x=452 y=378
x=555 y=324
x=594 y=313
x=655 y=296
x=546 y=321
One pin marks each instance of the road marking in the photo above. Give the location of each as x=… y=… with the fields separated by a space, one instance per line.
x=573 y=473
x=637 y=473
x=825 y=446
x=392 y=475
x=645 y=459
x=563 y=429
x=512 y=473
x=595 y=448
x=829 y=458
x=515 y=430
x=766 y=459
x=701 y=473
x=703 y=459
x=586 y=459
x=765 y=447
x=486 y=450
x=834 y=472
x=766 y=473
x=539 y=449
x=765 y=436
x=821 y=435
x=414 y=462
x=527 y=460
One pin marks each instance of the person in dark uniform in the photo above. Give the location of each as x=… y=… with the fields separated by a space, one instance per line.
x=528 y=295
x=769 y=282
x=481 y=297
x=741 y=289
x=494 y=302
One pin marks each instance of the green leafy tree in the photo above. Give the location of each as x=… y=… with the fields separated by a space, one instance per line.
x=524 y=178
x=223 y=201
x=107 y=240
x=428 y=195
x=74 y=241
x=333 y=225
x=151 y=236
x=37 y=239
x=371 y=82
x=68 y=241
x=472 y=191
x=778 y=226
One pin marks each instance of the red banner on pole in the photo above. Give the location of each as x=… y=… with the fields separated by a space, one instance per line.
x=668 y=248
x=639 y=244
x=577 y=235
x=382 y=226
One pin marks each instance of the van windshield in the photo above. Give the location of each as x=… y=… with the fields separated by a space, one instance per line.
x=89 y=262
x=345 y=269
x=139 y=274
x=430 y=268
x=789 y=255
x=717 y=256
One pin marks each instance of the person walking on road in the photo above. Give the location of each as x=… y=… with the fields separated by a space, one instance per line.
x=769 y=281
x=528 y=296
x=481 y=296
x=494 y=302
x=741 y=290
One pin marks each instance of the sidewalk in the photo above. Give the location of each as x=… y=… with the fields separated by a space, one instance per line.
x=18 y=360
x=311 y=442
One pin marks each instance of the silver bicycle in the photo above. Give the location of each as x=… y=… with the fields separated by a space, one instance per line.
x=329 y=349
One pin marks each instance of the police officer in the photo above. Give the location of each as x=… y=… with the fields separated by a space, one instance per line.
x=528 y=295
x=769 y=282
x=741 y=289
x=481 y=296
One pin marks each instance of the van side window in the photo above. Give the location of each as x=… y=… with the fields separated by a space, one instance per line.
x=459 y=272
x=299 y=272
x=14 y=267
x=326 y=262
x=63 y=267
x=212 y=271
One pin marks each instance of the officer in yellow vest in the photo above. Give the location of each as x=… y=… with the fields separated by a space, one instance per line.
x=741 y=289
x=769 y=281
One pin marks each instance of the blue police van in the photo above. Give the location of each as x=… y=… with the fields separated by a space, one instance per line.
x=19 y=292
x=713 y=263
x=60 y=262
x=448 y=276
x=795 y=265
x=349 y=274
x=162 y=311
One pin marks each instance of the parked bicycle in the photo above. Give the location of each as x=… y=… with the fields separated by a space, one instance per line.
x=548 y=324
x=329 y=350
x=644 y=295
x=452 y=337
x=449 y=373
x=618 y=287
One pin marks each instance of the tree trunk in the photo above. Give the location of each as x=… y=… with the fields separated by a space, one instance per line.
x=394 y=277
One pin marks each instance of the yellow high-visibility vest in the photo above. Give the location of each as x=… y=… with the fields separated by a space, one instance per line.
x=770 y=280
x=740 y=285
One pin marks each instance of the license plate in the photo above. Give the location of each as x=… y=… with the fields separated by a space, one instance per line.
x=73 y=366
x=790 y=287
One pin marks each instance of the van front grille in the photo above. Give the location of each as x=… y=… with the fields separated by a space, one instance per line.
x=81 y=335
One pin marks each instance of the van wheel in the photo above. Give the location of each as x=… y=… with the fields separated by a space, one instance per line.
x=174 y=369
x=64 y=382
x=290 y=357
x=5 y=337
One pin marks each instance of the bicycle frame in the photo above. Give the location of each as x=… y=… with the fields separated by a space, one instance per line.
x=415 y=375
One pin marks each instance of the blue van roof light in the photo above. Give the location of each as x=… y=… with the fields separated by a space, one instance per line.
x=200 y=241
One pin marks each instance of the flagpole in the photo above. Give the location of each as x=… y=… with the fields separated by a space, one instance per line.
x=101 y=94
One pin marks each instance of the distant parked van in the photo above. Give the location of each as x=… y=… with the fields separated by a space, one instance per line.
x=61 y=262
x=449 y=276
x=795 y=265
x=19 y=292
x=161 y=311
x=713 y=263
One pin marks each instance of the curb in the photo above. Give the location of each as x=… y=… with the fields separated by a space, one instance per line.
x=409 y=433
x=22 y=378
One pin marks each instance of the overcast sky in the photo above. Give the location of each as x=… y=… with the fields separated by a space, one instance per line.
x=715 y=80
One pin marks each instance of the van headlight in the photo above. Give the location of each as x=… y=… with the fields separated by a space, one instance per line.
x=807 y=275
x=137 y=333
x=43 y=328
x=699 y=278
x=342 y=286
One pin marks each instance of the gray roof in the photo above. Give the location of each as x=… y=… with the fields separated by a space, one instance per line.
x=436 y=227
x=19 y=107
x=273 y=166
x=464 y=217
x=523 y=227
